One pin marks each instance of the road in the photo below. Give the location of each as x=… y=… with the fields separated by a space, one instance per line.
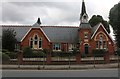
x=61 y=73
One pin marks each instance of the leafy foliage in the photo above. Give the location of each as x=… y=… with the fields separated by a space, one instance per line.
x=5 y=58
x=114 y=20
x=118 y=52
x=27 y=51
x=8 y=39
x=99 y=19
x=98 y=52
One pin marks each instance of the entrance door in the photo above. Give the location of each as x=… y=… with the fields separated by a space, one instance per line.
x=86 y=47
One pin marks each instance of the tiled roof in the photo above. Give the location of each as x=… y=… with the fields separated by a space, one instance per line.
x=54 y=33
x=61 y=34
x=20 y=30
x=85 y=26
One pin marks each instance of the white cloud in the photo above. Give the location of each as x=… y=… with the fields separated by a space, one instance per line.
x=52 y=12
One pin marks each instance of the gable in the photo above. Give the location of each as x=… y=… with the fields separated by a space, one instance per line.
x=100 y=29
x=33 y=31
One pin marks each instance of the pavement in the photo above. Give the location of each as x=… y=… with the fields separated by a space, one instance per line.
x=60 y=67
x=61 y=73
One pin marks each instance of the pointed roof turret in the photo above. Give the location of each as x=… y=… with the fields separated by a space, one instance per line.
x=83 y=15
x=38 y=23
x=83 y=10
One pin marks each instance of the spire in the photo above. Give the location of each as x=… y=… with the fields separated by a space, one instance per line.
x=83 y=8
x=83 y=15
x=38 y=21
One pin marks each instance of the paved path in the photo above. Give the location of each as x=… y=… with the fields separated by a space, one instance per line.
x=89 y=66
x=61 y=73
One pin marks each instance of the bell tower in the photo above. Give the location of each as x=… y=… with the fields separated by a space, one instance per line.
x=83 y=15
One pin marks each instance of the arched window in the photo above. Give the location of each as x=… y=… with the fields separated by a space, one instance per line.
x=40 y=42
x=31 y=42
x=101 y=42
x=35 y=40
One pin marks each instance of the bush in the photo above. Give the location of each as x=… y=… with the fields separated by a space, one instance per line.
x=38 y=54
x=4 y=50
x=27 y=51
x=98 y=52
x=5 y=58
x=118 y=52
x=12 y=55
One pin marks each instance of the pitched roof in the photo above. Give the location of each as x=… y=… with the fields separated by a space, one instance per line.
x=54 y=33
x=62 y=34
x=95 y=28
x=20 y=30
x=85 y=26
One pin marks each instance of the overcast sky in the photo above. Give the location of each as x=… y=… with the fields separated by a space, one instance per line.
x=52 y=12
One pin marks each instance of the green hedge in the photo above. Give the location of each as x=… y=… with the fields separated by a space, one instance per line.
x=27 y=51
x=118 y=52
x=98 y=52
x=5 y=58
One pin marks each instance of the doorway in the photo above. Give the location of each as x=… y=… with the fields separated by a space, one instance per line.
x=86 y=48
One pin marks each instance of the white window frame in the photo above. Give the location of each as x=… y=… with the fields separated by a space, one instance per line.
x=54 y=47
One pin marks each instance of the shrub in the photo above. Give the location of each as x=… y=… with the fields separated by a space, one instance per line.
x=118 y=51
x=12 y=55
x=27 y=51
x=38 y=54
x=5 y=58
x=98 y=52
x=4 y=50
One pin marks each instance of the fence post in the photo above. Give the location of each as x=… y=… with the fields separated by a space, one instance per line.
x=48 y=59
x=20 y=58
x=78 y=58
x=107 y=57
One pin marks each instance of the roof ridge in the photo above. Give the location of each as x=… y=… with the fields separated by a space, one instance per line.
x=40 y=26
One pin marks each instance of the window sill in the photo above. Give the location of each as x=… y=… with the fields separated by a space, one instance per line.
x=56 y=50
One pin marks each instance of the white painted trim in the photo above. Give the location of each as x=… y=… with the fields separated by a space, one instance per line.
x=102 y=35
x=26 y=34
x=45 y=34
x=30 y=30
x=100 y=24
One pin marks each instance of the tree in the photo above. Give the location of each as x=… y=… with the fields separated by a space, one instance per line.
x=97 y=19
x=8 y=39
x=114 y=20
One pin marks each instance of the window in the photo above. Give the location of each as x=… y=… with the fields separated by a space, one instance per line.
x=35 y=40
x=71 y=47
x=101 y=42
x=31 y=43
x=40 y=43
x=105 y=45
x=56 y=46
x=85 y=34
x=97 y=44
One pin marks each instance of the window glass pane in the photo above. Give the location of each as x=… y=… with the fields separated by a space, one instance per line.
x=31 y=44
x=56 y=46
x=104 y=43
x=97 y=44
x=40 y=43
x=85 y=35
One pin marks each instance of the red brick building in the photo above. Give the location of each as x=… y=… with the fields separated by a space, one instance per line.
x=64 y=38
